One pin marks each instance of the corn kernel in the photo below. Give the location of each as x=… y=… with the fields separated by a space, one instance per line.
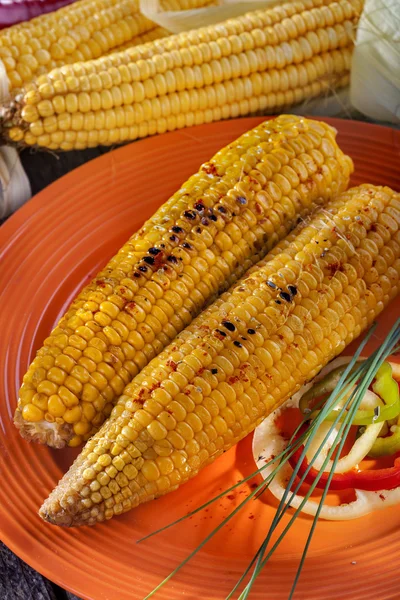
x=81 y=428
x=32 y=413
x=26 y=395
x=47 y=387
x=56 y=406
x=157 y=430
x=73 y=415
x=75 y=441
x=41 y=401
x=150 y=470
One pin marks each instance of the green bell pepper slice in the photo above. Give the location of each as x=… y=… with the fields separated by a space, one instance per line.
x=387 y=388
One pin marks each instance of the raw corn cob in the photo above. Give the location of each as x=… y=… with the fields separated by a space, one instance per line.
x=85 y=30
x=241 y=358
x=261 y=61
x=81 y=31
x=222 y=220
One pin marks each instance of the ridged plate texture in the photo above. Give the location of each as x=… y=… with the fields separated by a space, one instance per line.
x=48 y=250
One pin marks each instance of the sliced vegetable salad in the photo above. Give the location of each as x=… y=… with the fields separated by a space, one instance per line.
x=374 y=433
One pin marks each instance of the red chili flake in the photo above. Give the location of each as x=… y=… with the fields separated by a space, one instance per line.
x=251 y=516
x=231 y=497
x=333 y=268
x=374 y=227
x=100 y=283
x=159 y=260
x=210 y=169
x=171 y=363
x=258 y=208
x=233 y=379
x=130 y=306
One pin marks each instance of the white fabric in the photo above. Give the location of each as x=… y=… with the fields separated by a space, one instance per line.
x=183 y=20
x=4 y=87
x=375 y=75
x=15 y=188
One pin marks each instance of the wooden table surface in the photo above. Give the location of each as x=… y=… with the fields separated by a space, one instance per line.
x=18 y=581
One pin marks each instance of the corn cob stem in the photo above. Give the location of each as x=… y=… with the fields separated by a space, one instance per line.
x=288 y=47
x=222 y=220
x=240 y=359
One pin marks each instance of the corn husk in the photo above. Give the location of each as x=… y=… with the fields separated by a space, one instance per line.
x=183 y=20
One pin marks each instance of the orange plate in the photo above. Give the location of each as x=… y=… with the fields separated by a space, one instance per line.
x=50 y=248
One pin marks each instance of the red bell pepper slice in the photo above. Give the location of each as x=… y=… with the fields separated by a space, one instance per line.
x=372 y=480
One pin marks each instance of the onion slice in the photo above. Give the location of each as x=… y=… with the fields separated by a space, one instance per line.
x=268 y=442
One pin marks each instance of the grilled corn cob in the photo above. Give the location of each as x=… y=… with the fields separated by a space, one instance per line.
x=223 y=219
x=240 y=359
x=258 y=62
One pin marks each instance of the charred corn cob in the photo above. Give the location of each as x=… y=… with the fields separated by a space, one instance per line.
x=240 y=359
x=222 y=220
x=258 y=62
